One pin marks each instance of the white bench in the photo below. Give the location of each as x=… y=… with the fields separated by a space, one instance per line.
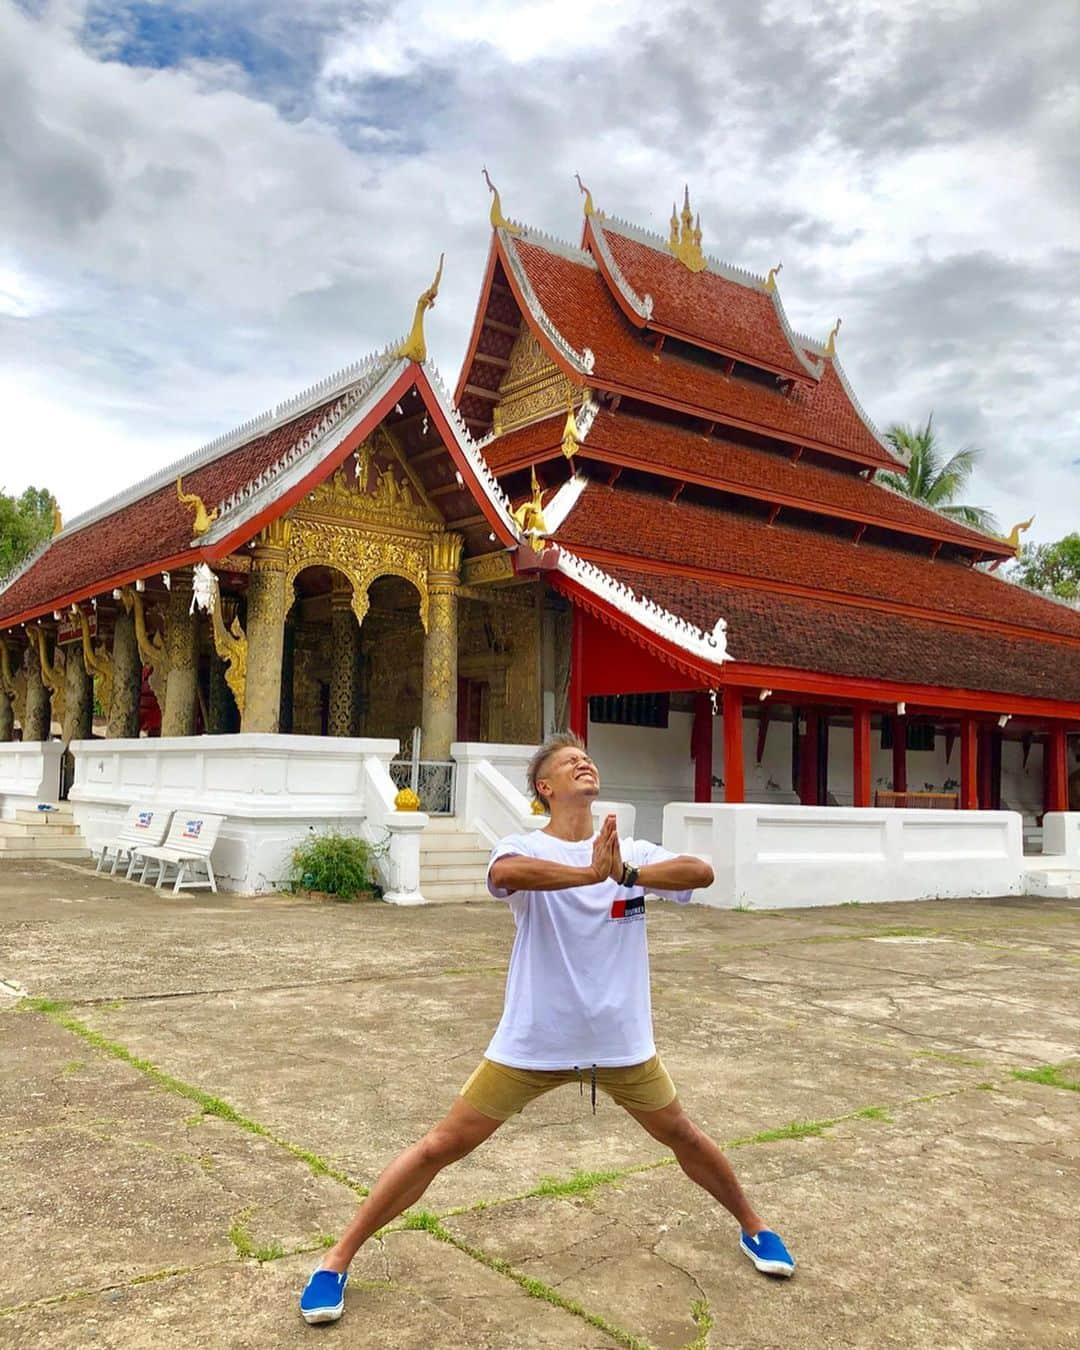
x=146 y=825
x=191 y=840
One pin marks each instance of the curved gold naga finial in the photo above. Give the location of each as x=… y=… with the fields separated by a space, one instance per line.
x=203 y=518
x=414 y=348
x=830 y=345
x=685 y=240
x=530 y=514
x=498 y=220
x=57 y=520
x=770 y=280
x=590 y=209
x=1013 y=537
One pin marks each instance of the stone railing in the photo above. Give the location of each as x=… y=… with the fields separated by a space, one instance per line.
x=488 y=800
x=1061 y=836
x=400 y=831
x=784 y=856
x=29 y=773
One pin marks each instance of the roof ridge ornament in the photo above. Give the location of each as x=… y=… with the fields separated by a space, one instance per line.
x=414 y=348
x=1013 y=537
x=571 y=437
x=57 y=520
x=685 y=240
x=498 y=220
x=770 y=280
x=830 y=345
x=203 y=518
x=590 y=209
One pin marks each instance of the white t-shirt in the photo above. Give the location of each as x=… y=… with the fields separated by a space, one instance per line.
x=577 y=991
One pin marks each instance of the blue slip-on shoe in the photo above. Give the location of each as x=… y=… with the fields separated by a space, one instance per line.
x=323 y=1299
x=768 y=1253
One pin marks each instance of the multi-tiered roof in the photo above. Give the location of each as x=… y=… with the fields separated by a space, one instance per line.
x=718 y=463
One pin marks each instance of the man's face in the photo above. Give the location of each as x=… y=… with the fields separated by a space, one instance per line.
x=569 y=774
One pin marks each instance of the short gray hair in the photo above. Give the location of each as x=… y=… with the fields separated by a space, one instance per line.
x=558 y=741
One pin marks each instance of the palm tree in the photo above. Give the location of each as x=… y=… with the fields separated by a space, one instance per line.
x=932 y=479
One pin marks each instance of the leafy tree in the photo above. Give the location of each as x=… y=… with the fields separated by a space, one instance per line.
x=931 y=478
x=1053 y=568
x=25 y=522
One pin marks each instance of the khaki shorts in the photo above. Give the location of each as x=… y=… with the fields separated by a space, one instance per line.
x=499 y=1092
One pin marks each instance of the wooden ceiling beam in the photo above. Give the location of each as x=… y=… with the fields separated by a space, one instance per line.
x=480 y=392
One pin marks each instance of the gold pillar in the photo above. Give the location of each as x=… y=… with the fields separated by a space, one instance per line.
x=181 y=645
x=343 y=663
x=38 y=720
x=438 y=718
x=127 y=679
x=266 y=628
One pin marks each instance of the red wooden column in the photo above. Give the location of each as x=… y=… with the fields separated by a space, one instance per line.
x=969 y=765
x=808 y=759
x=899 y=753
x=701 y=743
x=578 y=711
x=734 y=775
x=860 y=740
x=1057 y=770
x=985 y=768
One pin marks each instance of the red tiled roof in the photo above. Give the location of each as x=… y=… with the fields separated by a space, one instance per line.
x=152 y=529
x=738 y=318
x=715 y=539
x=666 y=448
x=764 y=628
x=577 y=301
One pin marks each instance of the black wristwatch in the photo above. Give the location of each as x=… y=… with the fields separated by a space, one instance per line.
x=629 y=875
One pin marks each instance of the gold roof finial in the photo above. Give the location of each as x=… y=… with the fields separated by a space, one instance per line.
x=203 y=518
x=571 y=437
x=498 y=220
x=414 y=348
x=685 y=241
x=57 y=520
x=590 y=210
x=1013 y=537
x=830 y=346
x=770 y=280
x=530 y=514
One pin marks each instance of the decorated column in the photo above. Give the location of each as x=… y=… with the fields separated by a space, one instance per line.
x=38 y=718
x=78 y=698
x=181 y=646
x=439 y=715
x=343 y=674
x=7 y=693
x=127 y=678
x=266 y=628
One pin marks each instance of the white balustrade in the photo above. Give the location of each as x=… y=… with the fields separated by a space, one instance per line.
x=29 y=774
x=1061 y=836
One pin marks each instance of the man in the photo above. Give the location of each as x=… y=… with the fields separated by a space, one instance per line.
x=577 y=1000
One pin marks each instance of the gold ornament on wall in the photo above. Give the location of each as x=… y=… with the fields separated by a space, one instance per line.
x=98 y=663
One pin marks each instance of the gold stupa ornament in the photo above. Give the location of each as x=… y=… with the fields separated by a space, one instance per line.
x=685 y=241
x=414 y=348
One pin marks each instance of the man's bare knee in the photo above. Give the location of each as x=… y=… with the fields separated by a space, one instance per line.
x=453 y=1138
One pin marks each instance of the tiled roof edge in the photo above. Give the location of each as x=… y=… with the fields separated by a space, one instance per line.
x=742 y=275
x=819 y=349
x=582 y=361
x=642 y=305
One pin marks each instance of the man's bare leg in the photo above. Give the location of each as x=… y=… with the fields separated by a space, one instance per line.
x=406 y=1179
x=701 y=1160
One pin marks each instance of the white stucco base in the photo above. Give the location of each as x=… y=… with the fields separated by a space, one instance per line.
x=272 y=789
x=29 y=774
x=779 y=857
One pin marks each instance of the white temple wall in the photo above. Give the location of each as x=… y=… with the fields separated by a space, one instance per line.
x=645 y=766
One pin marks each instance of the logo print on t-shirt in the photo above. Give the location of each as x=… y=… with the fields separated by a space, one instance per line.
x=634 y=908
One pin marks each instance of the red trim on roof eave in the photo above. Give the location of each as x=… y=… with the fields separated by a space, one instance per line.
x=784 y=679
x=412 y=375
x=478 y=322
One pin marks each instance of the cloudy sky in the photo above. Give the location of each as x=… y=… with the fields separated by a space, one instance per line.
x=206 y=205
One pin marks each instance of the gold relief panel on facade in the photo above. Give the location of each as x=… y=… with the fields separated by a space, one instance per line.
x=532 y=388
x=361 y=557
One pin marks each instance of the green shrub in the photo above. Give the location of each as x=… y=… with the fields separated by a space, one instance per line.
x=338 y=864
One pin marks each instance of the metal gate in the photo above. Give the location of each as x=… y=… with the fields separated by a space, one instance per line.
x=433 y=780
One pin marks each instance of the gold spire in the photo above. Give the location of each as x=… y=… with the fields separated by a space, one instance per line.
x=590 y=210
x=1013 y=537
x=571 y=437
x=685 y=241
x=770 y=280
x=414 y=348
x=203 y=518
x=830 y=346
x=498 y=220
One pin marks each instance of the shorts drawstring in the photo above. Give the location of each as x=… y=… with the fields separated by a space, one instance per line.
x=592 y=1081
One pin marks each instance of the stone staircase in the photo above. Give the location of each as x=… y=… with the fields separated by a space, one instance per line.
x=43 y=834
x=453 y=863
x=1053 y=878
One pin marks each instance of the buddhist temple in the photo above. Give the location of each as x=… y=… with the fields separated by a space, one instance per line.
x=648 y=512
